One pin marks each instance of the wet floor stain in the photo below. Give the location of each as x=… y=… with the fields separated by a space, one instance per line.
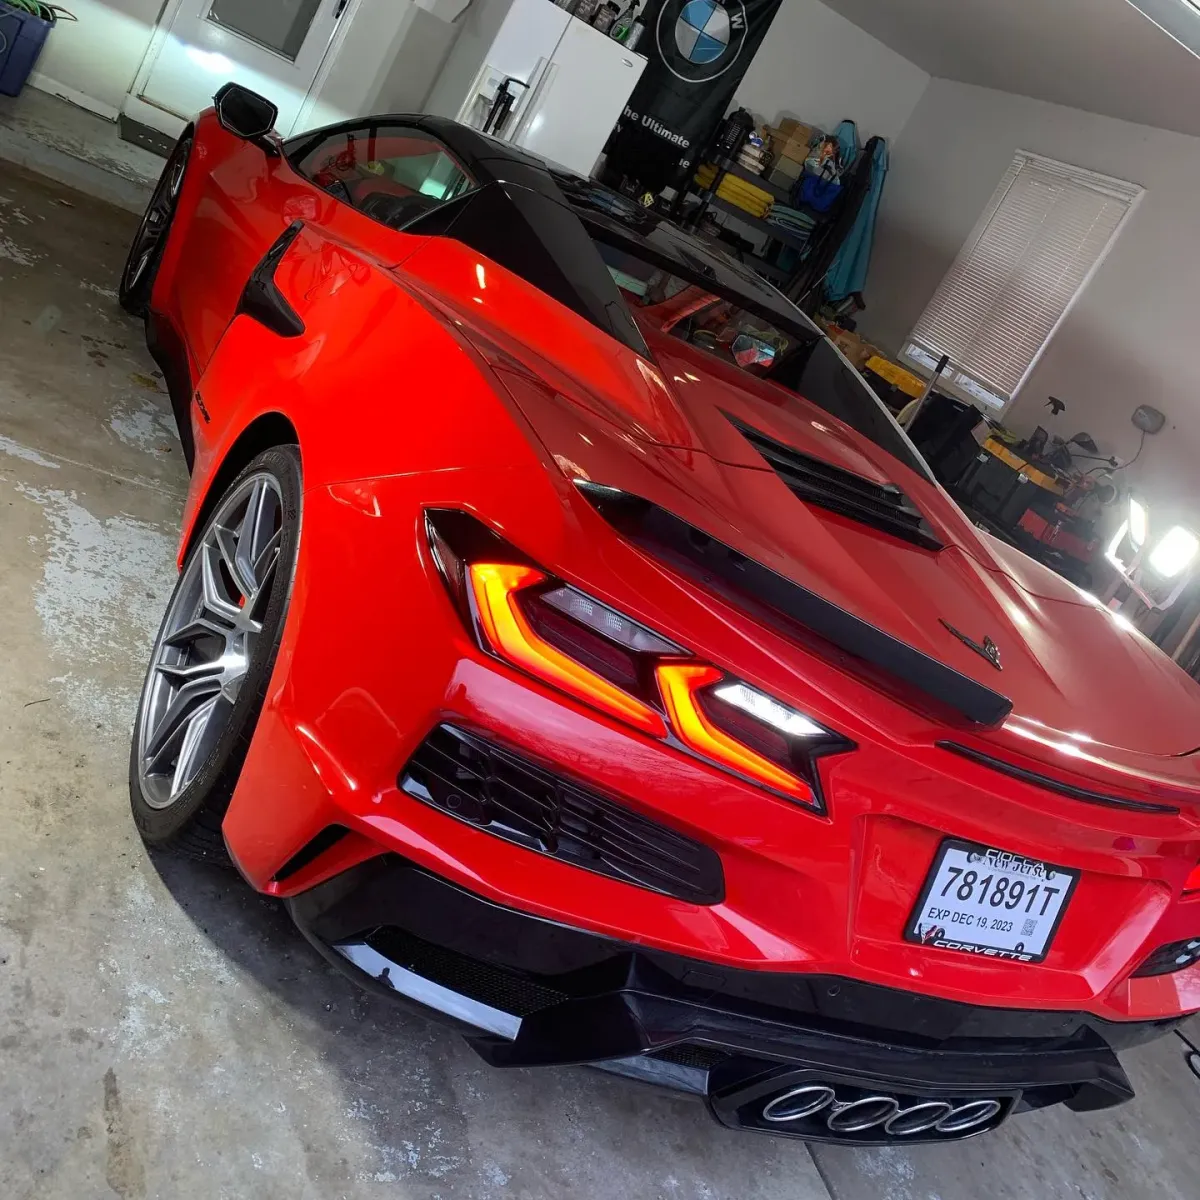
x=104 y=584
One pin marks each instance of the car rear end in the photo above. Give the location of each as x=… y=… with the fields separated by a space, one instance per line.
x=645 y=754
x=496 y=841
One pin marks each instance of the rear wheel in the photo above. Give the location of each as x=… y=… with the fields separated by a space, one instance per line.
x=137 y=279
x=213 y=658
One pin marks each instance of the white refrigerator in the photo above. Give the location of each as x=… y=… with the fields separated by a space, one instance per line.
x=576 y=79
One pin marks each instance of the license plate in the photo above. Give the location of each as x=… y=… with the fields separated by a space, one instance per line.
x=985 y=901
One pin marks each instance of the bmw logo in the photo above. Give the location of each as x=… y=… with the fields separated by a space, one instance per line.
x=702 y=31
x=700 y=39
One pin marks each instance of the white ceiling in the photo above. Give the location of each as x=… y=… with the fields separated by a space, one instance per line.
x=1104 y=56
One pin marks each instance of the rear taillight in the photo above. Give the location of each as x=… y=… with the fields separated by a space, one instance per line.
x=587 y=649
x=1192 y=883
x=681 y=685
x=501 y=592
x=746 y=731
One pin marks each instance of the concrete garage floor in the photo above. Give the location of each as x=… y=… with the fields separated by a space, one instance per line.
x=164 y=1032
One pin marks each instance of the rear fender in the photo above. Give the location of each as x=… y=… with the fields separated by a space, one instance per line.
x=378 y=383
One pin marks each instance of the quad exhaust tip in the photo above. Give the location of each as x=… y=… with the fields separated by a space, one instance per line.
x=879 y=1112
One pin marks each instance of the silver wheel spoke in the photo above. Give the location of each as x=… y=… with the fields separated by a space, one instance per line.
x=264 y=572
x=200 y=627
x=264 y=564
x=258 y=529
x=240 y=571
x=199 y=737
x=183 y=706
x=208 y=639
x=196 y=673
x=215 y=598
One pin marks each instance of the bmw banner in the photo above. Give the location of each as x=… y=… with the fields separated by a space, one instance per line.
x=698 y=51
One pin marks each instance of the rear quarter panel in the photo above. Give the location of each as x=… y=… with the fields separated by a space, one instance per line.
x=379 y=384
x=235 y=203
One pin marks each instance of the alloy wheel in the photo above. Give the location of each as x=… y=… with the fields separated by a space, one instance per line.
x=157 y=219
x=208 y=640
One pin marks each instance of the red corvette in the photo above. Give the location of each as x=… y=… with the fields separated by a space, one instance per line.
x=568 y=635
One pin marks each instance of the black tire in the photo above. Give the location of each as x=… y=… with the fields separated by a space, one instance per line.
x=191 y=822
x=145 y=254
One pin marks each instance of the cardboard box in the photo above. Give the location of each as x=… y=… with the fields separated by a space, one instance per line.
x=791 y=139
x=786 y=173
x=858 y=350
x=789 y=167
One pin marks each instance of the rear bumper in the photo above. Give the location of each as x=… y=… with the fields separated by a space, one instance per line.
x=530 y=992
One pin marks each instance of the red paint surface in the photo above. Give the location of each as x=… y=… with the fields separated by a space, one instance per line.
x=429 y=377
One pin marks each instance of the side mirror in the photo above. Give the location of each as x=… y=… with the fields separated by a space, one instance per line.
x=749 y=351
x=246 y=114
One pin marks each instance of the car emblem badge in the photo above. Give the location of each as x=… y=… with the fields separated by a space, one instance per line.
x=988 y=649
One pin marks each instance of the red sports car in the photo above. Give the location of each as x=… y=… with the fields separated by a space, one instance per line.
x=570 y=637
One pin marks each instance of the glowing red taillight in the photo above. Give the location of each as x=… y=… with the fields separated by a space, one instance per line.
x=583 y=647
x=495 y=587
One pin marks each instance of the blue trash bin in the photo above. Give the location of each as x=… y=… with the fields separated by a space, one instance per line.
x=22 y=36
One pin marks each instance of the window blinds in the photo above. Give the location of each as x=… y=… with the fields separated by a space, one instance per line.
x=1044 y=231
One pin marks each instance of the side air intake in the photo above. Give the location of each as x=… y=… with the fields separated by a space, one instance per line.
x=512 y=798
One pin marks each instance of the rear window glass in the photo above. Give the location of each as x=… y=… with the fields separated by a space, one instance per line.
x=694 y=313
x=699 y=310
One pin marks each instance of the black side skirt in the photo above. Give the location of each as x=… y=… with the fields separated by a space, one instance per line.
x=166 y=348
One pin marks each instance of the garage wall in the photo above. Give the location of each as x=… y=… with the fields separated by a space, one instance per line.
x=819 y=68
x=1131 y=336
x=360 y=65
x=410 y=79
x=93 y=62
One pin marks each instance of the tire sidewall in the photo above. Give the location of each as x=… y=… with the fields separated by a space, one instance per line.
x=213 y=785
x=136 y=300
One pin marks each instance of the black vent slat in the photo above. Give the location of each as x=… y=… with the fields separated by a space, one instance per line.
x=646 y=849
x=451 y=764
x=646 y=853
x=506 y=990
x=631 y=832
x=882 y=506
x=513 y=798
x=627 y=857
x=691 y=1054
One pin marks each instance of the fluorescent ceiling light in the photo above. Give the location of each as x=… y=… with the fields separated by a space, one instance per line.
x=1174 y=553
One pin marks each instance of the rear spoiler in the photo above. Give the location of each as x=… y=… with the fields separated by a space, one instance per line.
x=794 y=609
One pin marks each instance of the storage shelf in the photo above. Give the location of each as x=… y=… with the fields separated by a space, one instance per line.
x=782 y=195
x=765 y=227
